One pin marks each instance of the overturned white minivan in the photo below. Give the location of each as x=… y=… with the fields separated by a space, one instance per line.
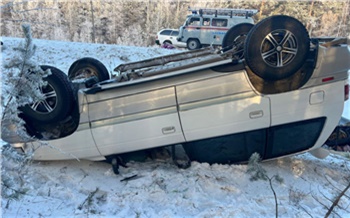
x=284 y=95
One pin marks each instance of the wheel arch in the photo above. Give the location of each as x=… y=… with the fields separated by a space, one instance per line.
x=167 y=41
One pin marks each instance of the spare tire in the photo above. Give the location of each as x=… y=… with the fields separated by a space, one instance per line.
x=58 y=102
x=88 y=67
x=276 y=47
x=236 y=37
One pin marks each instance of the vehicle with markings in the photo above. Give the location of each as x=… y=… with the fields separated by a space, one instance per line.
x=208 y=26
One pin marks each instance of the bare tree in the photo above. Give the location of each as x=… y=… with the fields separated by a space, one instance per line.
x=105 y=21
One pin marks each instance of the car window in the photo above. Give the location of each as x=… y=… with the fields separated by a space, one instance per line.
x=175 y=33
x=166 y=32
x=219 y=22
x=206 y=21
x=194 y=21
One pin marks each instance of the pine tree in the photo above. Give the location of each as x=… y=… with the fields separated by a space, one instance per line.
x=21 y=85
x=257 y=172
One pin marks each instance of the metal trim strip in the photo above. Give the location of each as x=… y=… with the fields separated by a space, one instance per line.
x=216 y=100
x=134 y=117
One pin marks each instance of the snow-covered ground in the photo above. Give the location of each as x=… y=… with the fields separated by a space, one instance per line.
x=346 y=112
x=160 y=189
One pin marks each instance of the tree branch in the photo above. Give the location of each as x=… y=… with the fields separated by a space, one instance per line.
x=335 y=203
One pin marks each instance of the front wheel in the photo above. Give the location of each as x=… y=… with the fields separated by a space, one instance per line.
x=193 y=44
x=276 y=47
x=58 y=99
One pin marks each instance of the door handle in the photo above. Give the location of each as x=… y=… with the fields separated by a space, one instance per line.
x=256 y=114
x=168 y=130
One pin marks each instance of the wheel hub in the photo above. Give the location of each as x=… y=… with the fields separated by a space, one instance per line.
x=279 y=48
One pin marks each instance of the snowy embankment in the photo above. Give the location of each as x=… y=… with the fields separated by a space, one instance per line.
x=160 y=189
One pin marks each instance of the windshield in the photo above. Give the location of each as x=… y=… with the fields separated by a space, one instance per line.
x=186 y=22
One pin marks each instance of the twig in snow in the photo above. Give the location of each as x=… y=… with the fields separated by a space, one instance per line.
x=257 y=172
x=129 y=178
x=335 y=203
x=88 y=199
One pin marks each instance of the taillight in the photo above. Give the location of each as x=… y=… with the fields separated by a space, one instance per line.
x=327 y=79
x=346 y=92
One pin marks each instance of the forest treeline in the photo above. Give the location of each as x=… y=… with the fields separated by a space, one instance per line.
x=132 y=22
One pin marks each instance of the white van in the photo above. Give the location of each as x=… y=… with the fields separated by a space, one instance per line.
x=209 y=26
x=286 y=97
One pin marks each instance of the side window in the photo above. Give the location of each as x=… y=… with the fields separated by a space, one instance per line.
x=293 y=137
x=206 y=22
x=194 y=21
x=219 y=22
x=166 y=32
x=175 y=33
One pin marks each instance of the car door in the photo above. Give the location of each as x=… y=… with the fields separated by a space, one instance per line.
x=130 y=118
x=173 y=36
x=193 y=28
x=223 y=119
x=219 y=106
x=217 y=31
x=303 y=118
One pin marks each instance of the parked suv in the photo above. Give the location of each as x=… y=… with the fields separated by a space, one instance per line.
x=168 y=36
x=209 y=26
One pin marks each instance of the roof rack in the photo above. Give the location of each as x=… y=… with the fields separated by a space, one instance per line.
x=224 y=11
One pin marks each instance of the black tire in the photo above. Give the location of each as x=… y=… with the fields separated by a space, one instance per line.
x=167 y=42
x=86 y=68
x=193 y=44
x=236 y=37
x=59 y=99
x=276 y=47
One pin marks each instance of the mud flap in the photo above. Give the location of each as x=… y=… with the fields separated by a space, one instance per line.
x=320 y=153
x=179 y=157
x=116 y=161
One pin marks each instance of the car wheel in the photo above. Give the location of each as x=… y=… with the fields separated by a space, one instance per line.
x=58 y=101
x=236 y=37
x=276 y=47
x=193 y=44
x=86 y=68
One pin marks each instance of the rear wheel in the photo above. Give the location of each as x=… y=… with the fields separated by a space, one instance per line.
x=193 y=44
x=235 y=37
x=276 y=47
x=88 y=67
x=58 y=101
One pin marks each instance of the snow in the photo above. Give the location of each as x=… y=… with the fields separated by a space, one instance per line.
x=346 y=111
x=160 y=189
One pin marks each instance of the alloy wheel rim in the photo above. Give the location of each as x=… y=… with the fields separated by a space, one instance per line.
x=48 y=103
x=279 y=48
